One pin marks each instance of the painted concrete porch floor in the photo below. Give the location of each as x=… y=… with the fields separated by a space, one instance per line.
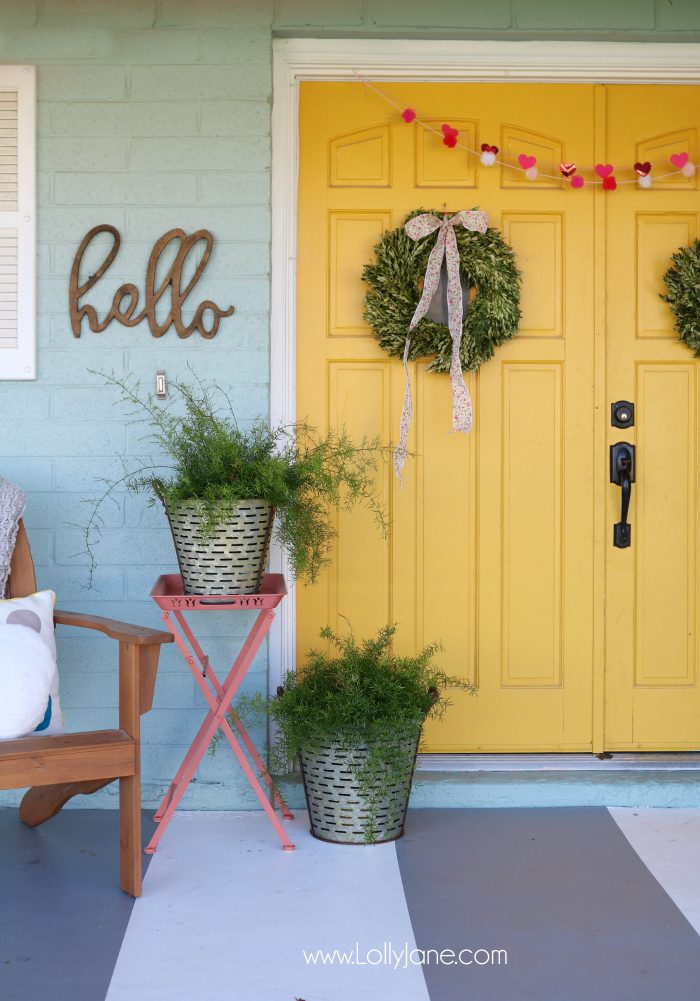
x=586 y=902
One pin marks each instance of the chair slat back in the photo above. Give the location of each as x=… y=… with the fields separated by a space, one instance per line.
x=22 y=579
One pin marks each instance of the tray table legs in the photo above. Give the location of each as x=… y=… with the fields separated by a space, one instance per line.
x=219 y=697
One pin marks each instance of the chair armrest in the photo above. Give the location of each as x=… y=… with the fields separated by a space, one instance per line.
x=123 y=631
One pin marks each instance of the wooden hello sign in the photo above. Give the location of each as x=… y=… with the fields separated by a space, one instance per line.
x=126 y=298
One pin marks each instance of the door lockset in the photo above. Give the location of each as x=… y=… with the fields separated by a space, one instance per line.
x=622 y=414
x=622 y=472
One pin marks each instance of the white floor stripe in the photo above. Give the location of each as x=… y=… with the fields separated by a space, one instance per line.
x=226 y=914
x=668 y=842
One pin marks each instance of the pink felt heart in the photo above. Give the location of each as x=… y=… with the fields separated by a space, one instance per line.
x=576 y=182
x=604 y=169
x=527 y=161
x=679 y=159
x=408 y=114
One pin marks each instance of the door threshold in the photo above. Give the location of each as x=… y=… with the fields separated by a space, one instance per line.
x=563 y=762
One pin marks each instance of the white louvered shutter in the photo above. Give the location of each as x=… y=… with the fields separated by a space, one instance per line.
x=17 y=222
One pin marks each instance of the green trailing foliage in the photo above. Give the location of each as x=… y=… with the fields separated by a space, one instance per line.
x=218 y=463
x=487 y=263
x=682 y=282
x=354 y=695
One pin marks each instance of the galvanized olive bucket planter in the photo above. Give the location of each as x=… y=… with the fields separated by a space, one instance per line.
x=339 y=810
x=229 y=560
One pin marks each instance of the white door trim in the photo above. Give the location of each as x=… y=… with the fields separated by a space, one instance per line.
x=296 y=59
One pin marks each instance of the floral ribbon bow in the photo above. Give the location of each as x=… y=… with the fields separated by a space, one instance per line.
x=445 y=249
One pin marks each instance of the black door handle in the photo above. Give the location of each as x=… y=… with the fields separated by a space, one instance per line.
x=622 y=470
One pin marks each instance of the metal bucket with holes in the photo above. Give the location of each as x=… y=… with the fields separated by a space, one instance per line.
x=339 y=810
x=229 y=559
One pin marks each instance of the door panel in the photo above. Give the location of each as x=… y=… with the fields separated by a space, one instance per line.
x=538 y=241
x=531 y=565
x=658 y=236
x=652 y=697
x=491 y=549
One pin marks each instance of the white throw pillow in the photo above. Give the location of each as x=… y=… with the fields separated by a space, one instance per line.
x=26 y=667
x=35 y=612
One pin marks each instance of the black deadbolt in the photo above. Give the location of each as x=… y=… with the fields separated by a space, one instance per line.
x=622 y=414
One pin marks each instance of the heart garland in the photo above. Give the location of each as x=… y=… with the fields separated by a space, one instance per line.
x=527 y=163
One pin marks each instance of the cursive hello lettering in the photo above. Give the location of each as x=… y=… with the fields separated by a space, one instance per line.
x=126 y=299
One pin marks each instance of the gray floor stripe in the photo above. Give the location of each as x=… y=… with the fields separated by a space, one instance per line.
x=561 y=890
x=63 y=916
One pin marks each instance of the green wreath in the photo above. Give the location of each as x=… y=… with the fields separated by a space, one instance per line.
x=683 y=284
x=487 y=263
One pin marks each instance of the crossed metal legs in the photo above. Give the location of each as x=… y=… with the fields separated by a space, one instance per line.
x=219 y=697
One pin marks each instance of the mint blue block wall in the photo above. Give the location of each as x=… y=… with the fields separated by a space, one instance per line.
x=625 y=20
x=150 y=116
x=154 y=114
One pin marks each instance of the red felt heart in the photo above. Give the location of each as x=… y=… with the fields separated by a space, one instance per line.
x=567 y=169
x=408 y=114
x=604 y=169
x=485 y=148
x=526 y=161
x=450 y=141
x=642 y=168
x=609 y=183
x=679 y=159
x=577 y=182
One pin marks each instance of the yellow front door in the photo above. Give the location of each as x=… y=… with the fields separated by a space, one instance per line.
x=652 y=695
x=499 y=539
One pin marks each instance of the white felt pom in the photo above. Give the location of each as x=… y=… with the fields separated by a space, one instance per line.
x=26 y=668
x=688 y=169
x=645 y=181
x=531 y=173
x=488 y=159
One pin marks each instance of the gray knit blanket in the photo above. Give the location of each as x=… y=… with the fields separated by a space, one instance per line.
x=12 y=504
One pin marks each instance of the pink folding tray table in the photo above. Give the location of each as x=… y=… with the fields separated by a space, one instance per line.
x=168 y=594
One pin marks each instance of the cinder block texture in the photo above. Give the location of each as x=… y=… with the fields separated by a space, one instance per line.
x=150 y=116
x=624 y=20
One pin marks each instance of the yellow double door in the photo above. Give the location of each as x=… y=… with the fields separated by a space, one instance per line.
x=501 y=544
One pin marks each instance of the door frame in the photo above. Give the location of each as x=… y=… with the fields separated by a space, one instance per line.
x=298 y=59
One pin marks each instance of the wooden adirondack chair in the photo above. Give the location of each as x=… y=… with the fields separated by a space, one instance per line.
x=59 y=767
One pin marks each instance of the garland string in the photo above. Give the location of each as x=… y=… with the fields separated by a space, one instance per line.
x=454 y=143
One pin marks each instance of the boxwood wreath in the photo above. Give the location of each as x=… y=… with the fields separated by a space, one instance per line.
x=487 y=264
x=682 y=282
